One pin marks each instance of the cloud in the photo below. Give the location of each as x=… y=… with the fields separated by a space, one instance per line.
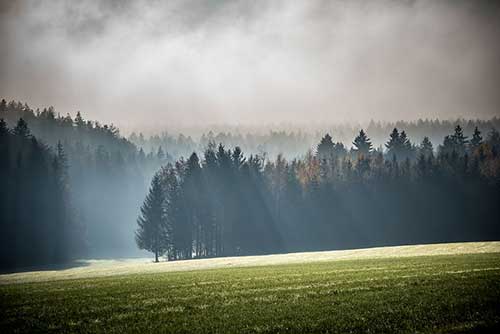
x=170 y=64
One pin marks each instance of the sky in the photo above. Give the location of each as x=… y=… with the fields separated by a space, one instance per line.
x=166 y=64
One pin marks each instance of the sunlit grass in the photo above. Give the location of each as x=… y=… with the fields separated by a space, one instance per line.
x=101 y=268
x=440 y=293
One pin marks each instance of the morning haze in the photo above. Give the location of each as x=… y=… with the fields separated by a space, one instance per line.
x=156 y=65
x=250 y=166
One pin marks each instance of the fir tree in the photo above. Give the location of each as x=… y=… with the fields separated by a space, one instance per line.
x=3 y=106
x=426 y=148
x=459 y=140
x=362 y=144
x=152 y=223
x=325 y=148
x=4 y=130
x=405 y=142
x=476 y=140
x=79 y=122
x=22 y=129
x=394 y=144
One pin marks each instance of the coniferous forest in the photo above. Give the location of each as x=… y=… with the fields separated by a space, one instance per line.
x=87 y=186
x=206 y=166
x=224 y=204
x=104 y=179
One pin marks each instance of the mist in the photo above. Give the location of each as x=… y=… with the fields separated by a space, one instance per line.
x=166 y=65
x=217 y=166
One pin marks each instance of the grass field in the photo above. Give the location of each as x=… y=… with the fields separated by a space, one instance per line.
x=435 y=292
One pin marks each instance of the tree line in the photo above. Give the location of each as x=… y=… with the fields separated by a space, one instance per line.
x=109 y=174
x=227 y=204
x=36 y=213
x=106 y=178
x=293 y=141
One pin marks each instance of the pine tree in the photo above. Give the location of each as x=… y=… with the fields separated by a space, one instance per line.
x=4 y=130
x=3 y=106
x=407 y=147
x=426 y=148
x=152 y=223
x=459 y=140
x=175 y=216
x=325 y=148
x=22 y=129
x=405 y=142
x=237 y=158
x=448 y=147
x=476 y=140
x=362 y=144
x=79 y=122
x=394 y=144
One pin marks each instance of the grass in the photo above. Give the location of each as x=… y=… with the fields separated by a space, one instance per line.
x=458 y=293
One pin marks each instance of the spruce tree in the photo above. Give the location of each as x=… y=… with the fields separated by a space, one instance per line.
x=406 y=146
x=3 y=106
x=362 y=144
x=79 y=122
x=459 y=140
x=394 y=144
x=426 y=148
x=325 y=148
x=175 y=215
x=22 y=129
x=476 y=140
x=405 y=142
x=4 y=130
x=152 y=222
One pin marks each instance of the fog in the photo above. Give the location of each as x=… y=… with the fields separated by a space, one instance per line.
x=164 y=65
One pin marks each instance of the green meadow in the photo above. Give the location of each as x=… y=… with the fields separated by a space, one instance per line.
x=456 y=293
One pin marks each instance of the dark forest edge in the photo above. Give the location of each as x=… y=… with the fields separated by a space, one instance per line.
x=85 y=183
x=226 y=204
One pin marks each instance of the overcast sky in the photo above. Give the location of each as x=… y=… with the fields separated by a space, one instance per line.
x=157 y=64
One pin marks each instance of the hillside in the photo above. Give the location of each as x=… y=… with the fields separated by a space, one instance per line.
x=446 y=288
x=103 y=268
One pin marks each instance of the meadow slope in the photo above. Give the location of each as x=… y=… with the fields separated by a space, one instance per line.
x=452 y=288
x=103 y=268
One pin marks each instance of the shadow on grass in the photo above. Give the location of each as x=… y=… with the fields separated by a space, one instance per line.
x=47 y=267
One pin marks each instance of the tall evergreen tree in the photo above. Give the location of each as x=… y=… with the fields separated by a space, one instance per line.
x=4 y=130
x=459 y=140
x=79 y=121
x=476 y=140
x=22 y=129
x=394 y=144
x=362 y=144
x=426 y=149
x=3 y=106
x=325 y=148
x=152 y=223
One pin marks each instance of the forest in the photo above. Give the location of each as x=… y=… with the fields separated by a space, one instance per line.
x=105 y=180
x=86 y=183
x=292 y=141
x=226 y=204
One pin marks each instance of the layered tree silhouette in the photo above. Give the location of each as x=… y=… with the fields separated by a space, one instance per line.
x=152 y=232
x=227 y=205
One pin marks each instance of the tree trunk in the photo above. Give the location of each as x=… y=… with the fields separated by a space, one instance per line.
x=156 y=255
